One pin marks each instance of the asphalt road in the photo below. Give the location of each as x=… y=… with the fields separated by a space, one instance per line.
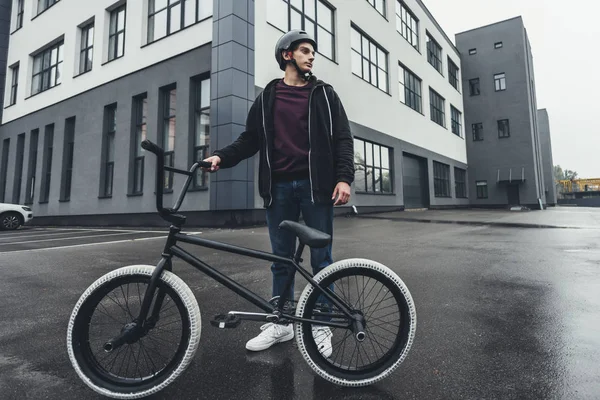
x=503 y=313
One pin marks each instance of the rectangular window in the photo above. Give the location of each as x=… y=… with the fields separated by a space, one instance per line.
x=472 y=51
x=108 y=156
x=86 y=55
x=67 y=167
x=456 y=117
x=14 y=85
x=201 y=128
x=437 y=108
x=47 y=163
x=169 y=106
x=441 y=179
x=314 y=16
x=460 y=183
x=474 y=87
x=410 y=88
x=166 y=17
x=140 y=131
x=498 y=45
x=43 y=5
x=47 y=68
x=372 y=164
x=482 y=189
x=20 y=11
x=500 y=82
x=31 y=175
x=369 y=60
x=453 y=74
x=477 y=131
x=379 y=5
x=434 y=53
x=503 y=128
x=19 y=169
x=4 y=168
x=116 y=36
x=407 y=24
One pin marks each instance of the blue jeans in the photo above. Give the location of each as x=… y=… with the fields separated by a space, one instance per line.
x=289 y=200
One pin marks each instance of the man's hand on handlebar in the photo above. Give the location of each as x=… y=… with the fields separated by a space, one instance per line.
x=215 y=161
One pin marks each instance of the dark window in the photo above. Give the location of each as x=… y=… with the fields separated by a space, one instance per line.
x=456 y=117
x=437 y=108
x=47 y=163
x=453 y=74
x=166 y=17
x=86 y=56
x=407 y=24
x=410 y=88
x=47 y=68
x=140 y=110
x=500 y=82
x=503 y=128
x=43 y=5
x=434 y=53
x=108 y=167
x=441 y=179
x=116 y=36
x=472 y=51
x=19 y=169
x=14 y=85
x=474 y=87
x=68 y=152
x=31 y=176
x=372 y=164
x=201 y=127
x=20 y=9
x=460 y=183
x=4 y=168
x=482 y=189
x=498 y=45
x=169 y=106
x=314 y=16
x=379 y=5
x=477 y=131
x=369 y=60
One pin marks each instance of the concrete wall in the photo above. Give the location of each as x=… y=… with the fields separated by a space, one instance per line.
x=548 y=163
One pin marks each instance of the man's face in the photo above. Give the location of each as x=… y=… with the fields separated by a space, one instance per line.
x=304 y=56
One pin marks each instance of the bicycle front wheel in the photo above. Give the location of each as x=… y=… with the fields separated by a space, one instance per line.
x=376 y=293
x=147 y=363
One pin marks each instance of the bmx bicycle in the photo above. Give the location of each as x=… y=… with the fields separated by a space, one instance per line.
x=137 y=328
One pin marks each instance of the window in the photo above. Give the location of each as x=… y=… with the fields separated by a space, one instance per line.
x=116 y=36
x=314 y=16
x=369 y=60
x=437 y=107
x=477 y=131
x=31 y=176
x=68 y=151
x=43 y=5
x=47 y=163
x=20 y=11
x=410 y=88
x=498 y=45
x=201 y=127
x=503 y=128
x=472 y=51
x=86 y=55
x=453 y=74
x=14 y=85
x=460 y=183
x=47 y=68
x=166 y=17
x=108 y=168
x=4 y=168
x=474 y=87
x=169 y=103
x=482 y=189
x=434 y=53
x=500 y=82
x=372 y=165
x=441 y=179
x=19 y=169
x=407 y=24
x=379 y=5
x=456 y=117
x=140 y=130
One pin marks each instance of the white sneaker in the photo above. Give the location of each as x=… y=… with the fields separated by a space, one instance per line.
x=271 y=334
x=322 y=336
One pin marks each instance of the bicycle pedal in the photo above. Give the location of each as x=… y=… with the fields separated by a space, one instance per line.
x=223 y=321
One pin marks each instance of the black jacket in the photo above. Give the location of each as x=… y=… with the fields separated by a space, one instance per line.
x=331 y=155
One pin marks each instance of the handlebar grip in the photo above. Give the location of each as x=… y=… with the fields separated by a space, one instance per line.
x=151 y=147
x=204 y=164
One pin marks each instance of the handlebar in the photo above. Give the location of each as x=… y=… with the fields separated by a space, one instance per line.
x=169 y=213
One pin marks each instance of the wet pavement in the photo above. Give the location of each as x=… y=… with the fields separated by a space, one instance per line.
x=502 y=312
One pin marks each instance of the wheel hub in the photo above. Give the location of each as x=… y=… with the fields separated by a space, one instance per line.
x=10 y=222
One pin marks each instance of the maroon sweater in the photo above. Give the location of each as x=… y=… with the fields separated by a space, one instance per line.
x=291 y=142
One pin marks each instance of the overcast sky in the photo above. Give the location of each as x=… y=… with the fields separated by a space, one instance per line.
x=564 y=38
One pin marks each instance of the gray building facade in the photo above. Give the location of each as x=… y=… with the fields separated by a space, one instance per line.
x=548 y=162
x=5 y=14
x=503 y=142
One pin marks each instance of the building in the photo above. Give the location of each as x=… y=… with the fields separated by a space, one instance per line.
x=86 y=92
x=547 y=161
x=504 y=147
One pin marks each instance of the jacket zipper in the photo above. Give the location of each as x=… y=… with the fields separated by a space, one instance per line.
x=266 y=145
x=312 y=195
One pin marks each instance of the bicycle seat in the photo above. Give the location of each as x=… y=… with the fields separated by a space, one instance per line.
x=308 y=236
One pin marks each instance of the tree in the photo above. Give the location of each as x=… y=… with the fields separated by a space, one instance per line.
x=567 y=174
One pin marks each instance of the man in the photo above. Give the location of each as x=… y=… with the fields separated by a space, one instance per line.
x=306 y=164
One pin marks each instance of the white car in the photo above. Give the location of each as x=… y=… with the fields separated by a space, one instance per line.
x=13 y=216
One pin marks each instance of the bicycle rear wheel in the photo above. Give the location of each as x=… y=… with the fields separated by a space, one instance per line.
x=376 y=293
x=143 y=365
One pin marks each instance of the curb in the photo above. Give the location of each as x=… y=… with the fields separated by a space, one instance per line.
x=471 y=223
